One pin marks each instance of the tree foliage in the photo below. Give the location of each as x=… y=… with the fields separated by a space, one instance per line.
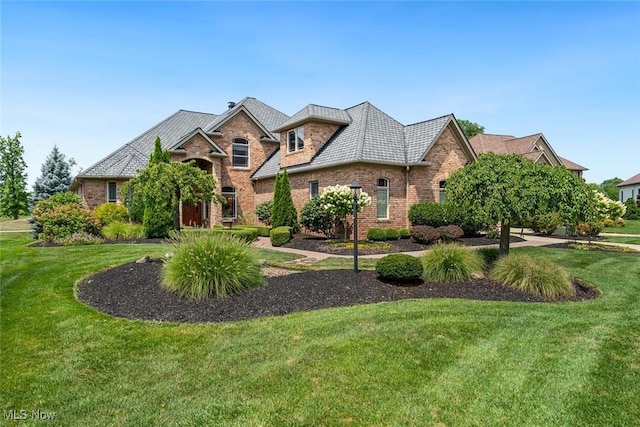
x=609 y=188
x=159 y=155
x=507 y=188
x=55 y=176
x=160 y=188
x=284 y=211
x=470 y=129
x=13 y=179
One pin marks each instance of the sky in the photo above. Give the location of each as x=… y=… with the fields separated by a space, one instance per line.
x=89 y=77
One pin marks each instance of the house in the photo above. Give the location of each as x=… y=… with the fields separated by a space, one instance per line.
x=245 y=147
x=630 y=188
x=534 y=147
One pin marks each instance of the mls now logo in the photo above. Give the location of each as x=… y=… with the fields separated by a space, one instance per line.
x=23 y=414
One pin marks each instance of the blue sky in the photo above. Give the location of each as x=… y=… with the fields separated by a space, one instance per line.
x=90 y=76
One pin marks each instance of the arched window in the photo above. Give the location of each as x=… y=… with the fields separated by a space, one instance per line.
x=230 y=206
x=240 y=157
x=441 y=195
x=382 y=196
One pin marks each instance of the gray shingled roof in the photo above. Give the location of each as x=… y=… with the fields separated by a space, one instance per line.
x=372 y=137
x=316 y=112
x=134 y=155
x=268 y=116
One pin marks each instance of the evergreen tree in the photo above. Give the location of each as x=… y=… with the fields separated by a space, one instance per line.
x=159 y=154
x=284 y=211
x=13 y=179
x=55 y=176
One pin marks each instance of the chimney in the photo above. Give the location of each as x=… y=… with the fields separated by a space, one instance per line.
x=231 y=104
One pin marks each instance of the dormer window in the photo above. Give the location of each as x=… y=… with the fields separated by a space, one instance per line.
x=240 y=158
x=295 y=139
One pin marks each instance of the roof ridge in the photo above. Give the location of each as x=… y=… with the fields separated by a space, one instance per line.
x=363 y=134
x=430 y=120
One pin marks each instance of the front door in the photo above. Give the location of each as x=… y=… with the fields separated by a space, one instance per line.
x=192 y=214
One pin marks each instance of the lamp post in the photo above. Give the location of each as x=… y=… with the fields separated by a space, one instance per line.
x=355 y=193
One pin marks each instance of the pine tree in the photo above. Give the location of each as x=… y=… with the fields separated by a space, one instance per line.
x=159 y=154
x=13 y=179
x=284 y=211
x=55 y=176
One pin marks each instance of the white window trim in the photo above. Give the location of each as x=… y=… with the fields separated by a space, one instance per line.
x=310 y=192
x=248 y=153
x=295 y=132
x=115 y=200
x=387 y=198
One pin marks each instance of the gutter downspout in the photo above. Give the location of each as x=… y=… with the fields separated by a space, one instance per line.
x=406 y=195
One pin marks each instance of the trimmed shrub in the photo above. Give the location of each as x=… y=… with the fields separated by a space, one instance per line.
x=451 y=262
x=547 y=223
x=280 y=235
x=535 y=276
x=449 y=233
x=376 y=234
x=110 y=212
x=392 y=234
x=441 y=214
x=399 y=268
x=424 y=234
x=245 y=234
x=210 y=264
x=65 y=220
x=489 y=256
x=264 y=231
x=263 y=212
x=404 y=233
x=158 y=222
x=284 y=212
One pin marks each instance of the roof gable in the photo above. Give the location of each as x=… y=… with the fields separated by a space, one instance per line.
x=318 y=113
x=265 y=117
x=215 y=148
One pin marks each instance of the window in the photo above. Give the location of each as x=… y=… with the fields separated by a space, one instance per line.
x=442 y=196
x=112 y=193
x=240 y=157
x=295 y=140
x=230 y=205
x=383 y=199
x=313 y=189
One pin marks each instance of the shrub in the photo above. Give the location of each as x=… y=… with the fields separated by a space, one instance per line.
x=264 y=231
x=280 y=235
x=489 y=256
x=48 y=205
x=546 y=223
x=158 y=222
x=245 y=234
x=449 y=233
x=633 y=210
x=441 y=214
x=110 y=212
x=404 y=233
x=399 y=268
x=392 y=234
x=123 y=230
x=586 y=229
x=450 y=263
x=80 y=238
x=206 y=264
x=284 y=212
x=535 y=276
x=376 y=234
x=65 y=220
x=263 y=212
x=315 y=218
x=424 y=234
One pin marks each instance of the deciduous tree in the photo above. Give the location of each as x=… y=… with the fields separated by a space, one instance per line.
x=13 y=179
x=470 y=129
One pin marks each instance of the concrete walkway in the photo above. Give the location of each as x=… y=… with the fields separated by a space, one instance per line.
x=529 y=240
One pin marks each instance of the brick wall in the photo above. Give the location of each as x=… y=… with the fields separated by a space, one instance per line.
x=94 y=191
x=316 y=135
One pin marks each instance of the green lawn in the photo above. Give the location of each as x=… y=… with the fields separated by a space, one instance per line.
x=630 y=240
x=8 y=224
x=409 y=363
x=631 y=227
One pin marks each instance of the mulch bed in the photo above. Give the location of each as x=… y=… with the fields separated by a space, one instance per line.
x=133 y=291
x=320 y=244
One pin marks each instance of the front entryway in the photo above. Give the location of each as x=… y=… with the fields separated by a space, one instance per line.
x=192 y=214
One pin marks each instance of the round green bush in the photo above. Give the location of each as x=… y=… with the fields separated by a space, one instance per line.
x=451 y=262
x=404 y=233
x=110 y=212
x=535 y=276
x=263 y=212
x=208 y=264
x=400 y=268
x=376 y=235
x=280 y=235
x=392 y=234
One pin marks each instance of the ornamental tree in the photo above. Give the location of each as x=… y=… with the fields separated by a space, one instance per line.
x=55 y=176
x=13 y=179
x=284 y=211
x=337 y=200
x=507 y=188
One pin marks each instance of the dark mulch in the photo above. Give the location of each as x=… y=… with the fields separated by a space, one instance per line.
x=320 y=244
x=133 y=291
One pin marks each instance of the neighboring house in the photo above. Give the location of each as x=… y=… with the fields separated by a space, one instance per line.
x=630 y=188
x=246 y=146
x=534 y=147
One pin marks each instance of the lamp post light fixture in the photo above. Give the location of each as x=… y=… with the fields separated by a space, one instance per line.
x=355 y=194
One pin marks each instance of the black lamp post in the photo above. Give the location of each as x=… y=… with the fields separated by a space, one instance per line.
x=355 y=193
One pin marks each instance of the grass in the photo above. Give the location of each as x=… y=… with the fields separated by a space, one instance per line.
x=8 y=224
x=533 y=275
x=413 y=362
x=628 y=240
x=632 y=226
x=451 y=262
